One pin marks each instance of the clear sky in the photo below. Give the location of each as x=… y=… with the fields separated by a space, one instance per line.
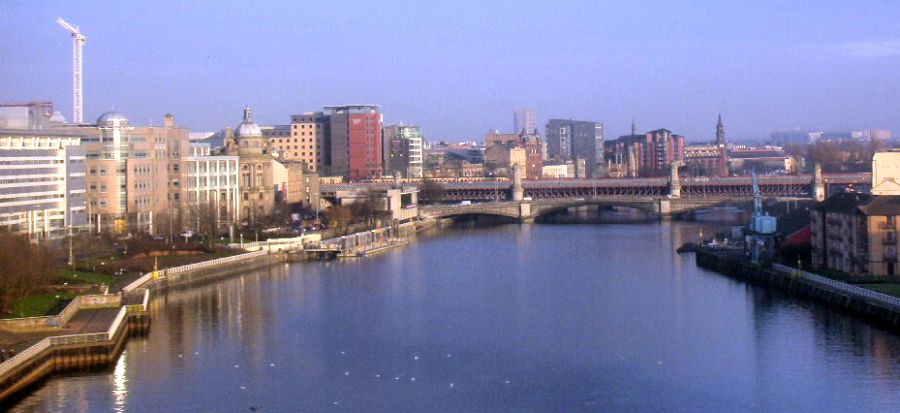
x=459 y=68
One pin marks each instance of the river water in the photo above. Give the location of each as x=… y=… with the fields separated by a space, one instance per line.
x=512 y=318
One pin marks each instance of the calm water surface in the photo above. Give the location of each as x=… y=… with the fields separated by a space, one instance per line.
x=530 y=318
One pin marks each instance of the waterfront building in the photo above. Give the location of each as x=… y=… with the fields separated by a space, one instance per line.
x=404 y=150
x=133 y=173
x=257 y=168
x=393 y=206
x=857 y=233
x=571 y=139
x=42 y=185
x=212 y=180
x=309 y=141
x=525 y=122
x=651 y=154
x=356 y=145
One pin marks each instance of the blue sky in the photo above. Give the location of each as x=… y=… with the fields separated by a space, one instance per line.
x=460 y=68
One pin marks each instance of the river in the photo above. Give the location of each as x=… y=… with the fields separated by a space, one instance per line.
x=510 y=318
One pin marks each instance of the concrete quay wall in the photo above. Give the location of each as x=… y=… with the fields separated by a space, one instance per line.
x=69 y=353
x=873 y=306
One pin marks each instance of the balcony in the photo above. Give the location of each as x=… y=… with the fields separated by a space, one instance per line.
x=887 y=225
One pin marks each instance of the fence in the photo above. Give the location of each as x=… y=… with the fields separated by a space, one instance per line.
x=190 y=267
x=88 y=338
x=881 y=298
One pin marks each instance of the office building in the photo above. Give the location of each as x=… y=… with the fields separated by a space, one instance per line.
x=574 y=139
x=356 y=144
x=308 y=141
x=42 y=186
x=404 y=150
x=525 y=122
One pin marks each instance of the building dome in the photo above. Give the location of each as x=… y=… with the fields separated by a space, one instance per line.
x=112 y=116
x=247 y=128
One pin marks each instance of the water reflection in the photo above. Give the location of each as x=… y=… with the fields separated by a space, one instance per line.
x=507 y=319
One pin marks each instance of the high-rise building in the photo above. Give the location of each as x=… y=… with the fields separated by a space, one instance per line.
x=308 y=141
x=42 y=187
x=134 y=173
x=570 y=139
x=524 y=122
x=356 y=145
x=405 y=150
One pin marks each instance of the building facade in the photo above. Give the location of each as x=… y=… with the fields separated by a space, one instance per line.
x=42 y=186
x=309 y=141
x=525 y=122
x=212 y=180
x=651 y=154
x=256 y=165
x=405 y=153
x=356 y=144
x=575 y=139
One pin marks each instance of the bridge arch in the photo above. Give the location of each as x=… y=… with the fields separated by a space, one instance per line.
x=538 y=210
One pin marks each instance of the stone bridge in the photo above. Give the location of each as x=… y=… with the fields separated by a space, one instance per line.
x=528 y=210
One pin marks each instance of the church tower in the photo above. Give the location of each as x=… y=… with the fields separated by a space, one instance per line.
x=720 y=132
x=723 y=147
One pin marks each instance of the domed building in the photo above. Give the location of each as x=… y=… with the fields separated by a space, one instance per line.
x=257 y=167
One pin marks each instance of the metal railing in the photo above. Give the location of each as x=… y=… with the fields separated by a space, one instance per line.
x=190 y=267
x=24 y=356
x=850 y=289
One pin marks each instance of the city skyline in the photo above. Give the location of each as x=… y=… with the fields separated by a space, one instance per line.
x=458 y=73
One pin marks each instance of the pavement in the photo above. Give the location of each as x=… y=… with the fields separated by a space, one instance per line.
x=84 y=321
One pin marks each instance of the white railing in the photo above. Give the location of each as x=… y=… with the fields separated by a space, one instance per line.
x=24 y=356
x=882 y=298
x=115 y=324
x=138 y=282
x=86 y=338
x=213 y=263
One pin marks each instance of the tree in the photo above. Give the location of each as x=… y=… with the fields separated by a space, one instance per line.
x=25 y=268
x=366 y=208
x=205 y=220
x=431 y=192
x=339 y=217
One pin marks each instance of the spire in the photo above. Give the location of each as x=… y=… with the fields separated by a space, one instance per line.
x=720 y=132
x=248 y=114
x=633 y=126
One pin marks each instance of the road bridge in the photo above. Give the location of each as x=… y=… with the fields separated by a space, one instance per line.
x=529 y=210
x=797 y=186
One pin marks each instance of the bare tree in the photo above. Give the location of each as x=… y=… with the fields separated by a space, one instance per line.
x=339 y=217
x=431 y=192
x=25 y=268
